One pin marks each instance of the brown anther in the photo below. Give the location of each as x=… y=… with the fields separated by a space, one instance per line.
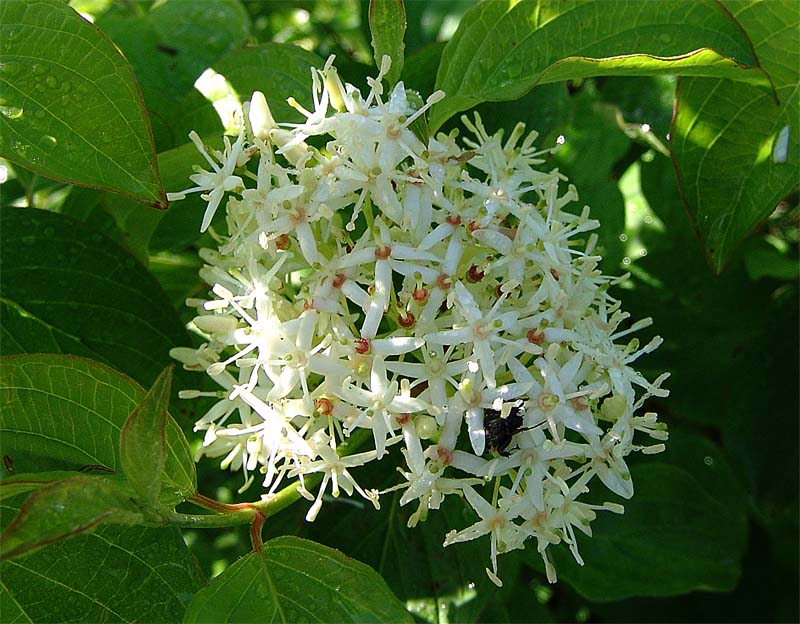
x=406 y=320
x=443 y=281
x=554 y=273
x=382 y=253
x=308 y=305
x=403 y=418
x=324 y=406
x=420 y=295
x=579 y=403
x=282 y=242
x=539 y=519
x=445 y=455
x=461 y=158
x=535 y=336
x=338 y=280
x=498 y=290
x=474 y=274
x=472 y=226
x=361 y=345
x=453 y=220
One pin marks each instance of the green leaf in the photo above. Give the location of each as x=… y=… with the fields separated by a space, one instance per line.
x=143 y=441
x=169 y=47
x=420 y=71
x=116 y=573
x=735 y=147
x=71 y=108
x=684 y=529
x=66 y=413
x=294 y=580
x=74 y=291
x=19 y=484
x=501 y=50
x=387 y=24
x=67 y=508
x=278 y=70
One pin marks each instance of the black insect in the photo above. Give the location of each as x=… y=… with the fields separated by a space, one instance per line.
x=499 y=430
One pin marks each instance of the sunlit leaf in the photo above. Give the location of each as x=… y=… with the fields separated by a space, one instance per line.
x=736 y=147
x=70 y=107
x=116 y=573
x=294 y=580
x=387 y=23
x=67 y=508
x=501 y=50
x=66 y=413
x=143 y=440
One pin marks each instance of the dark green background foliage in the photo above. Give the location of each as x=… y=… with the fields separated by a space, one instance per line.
x=673 y=115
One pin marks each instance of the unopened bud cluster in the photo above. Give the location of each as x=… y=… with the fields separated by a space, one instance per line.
x=438 y=295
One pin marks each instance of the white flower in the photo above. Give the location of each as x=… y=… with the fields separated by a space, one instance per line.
x=217 y=181
x=405 y=285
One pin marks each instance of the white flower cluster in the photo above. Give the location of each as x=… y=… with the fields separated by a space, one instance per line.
x=435 y=295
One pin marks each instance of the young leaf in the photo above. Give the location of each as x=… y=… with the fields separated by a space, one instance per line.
x=736 y=149
x=501 y=50
x=71 y=107
x=66 y=413
x=143 y=441
x=75 y=291
x=19 y=484
x=294 y=580
x=685 y=529
x=387 y=23
x=66 y=508
x=115 y=573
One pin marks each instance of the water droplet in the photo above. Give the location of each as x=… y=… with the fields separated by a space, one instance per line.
x=12 y=112
x=65 y=100
x=643 y=252
x=708 y=461
x=49 y=141
x=623 y=237
x=626 y=261
x=66 y=86
x=10 y=69
x=780 y=152
x=51 y=81
x=39 y=69
x=648 y=219
x=665 y=38
x=40 y=87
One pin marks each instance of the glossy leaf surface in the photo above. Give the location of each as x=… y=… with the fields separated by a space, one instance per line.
x=736 y=147
x=71 y=107
x=502 y=50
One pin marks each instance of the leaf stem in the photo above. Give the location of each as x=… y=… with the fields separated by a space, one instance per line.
x=244 y=513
